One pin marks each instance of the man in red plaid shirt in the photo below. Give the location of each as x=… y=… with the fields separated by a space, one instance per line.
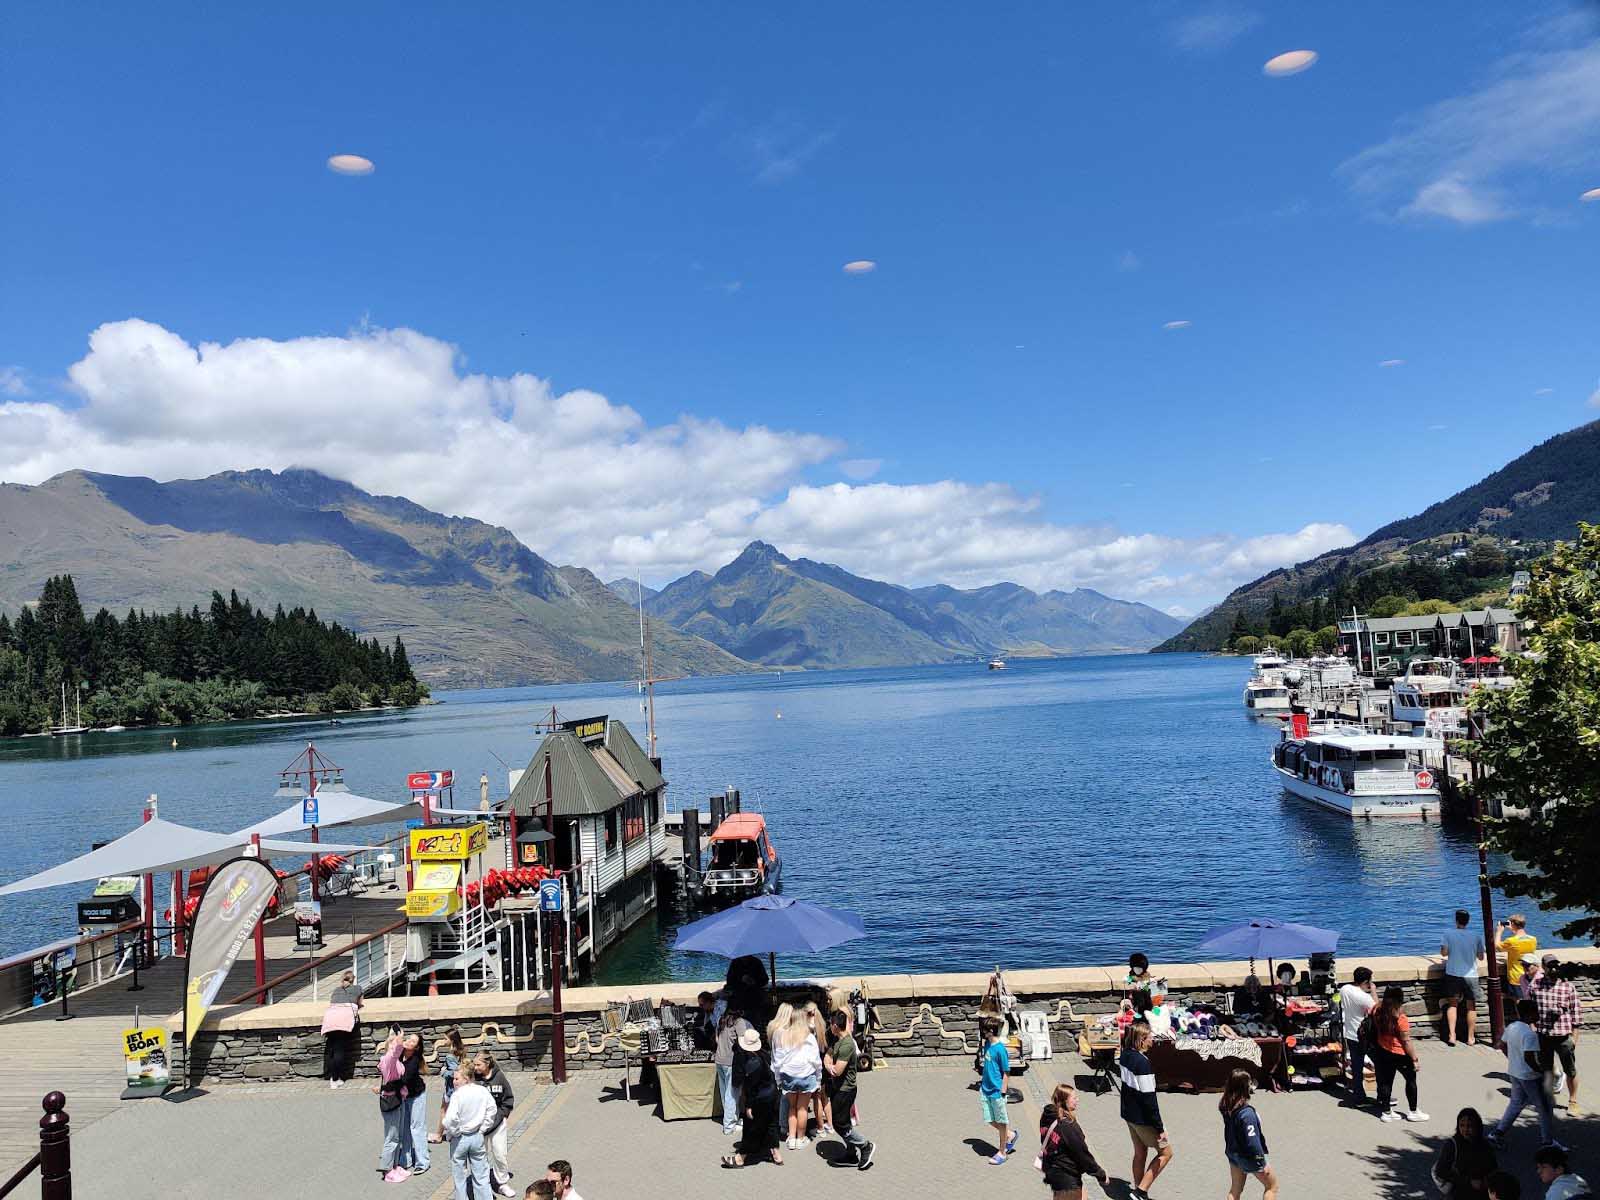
x=1558 y=1025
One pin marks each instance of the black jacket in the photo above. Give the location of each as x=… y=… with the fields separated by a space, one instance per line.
x=753 y=1073
x=500 y=1088
x=412 y=1081
x=1064 y=1151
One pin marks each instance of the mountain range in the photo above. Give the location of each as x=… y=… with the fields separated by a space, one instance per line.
x=476 y=607
x=1537 y=497
x=780 y=611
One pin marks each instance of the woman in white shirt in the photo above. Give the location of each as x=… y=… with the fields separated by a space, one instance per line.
x=797 y=1063
x=471 y=1111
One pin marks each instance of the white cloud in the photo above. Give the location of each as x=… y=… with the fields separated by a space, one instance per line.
x=859 y=266
x=1479 y=157
x=780 y=149
x=1290 y=62
x=579 y=478
x=1543 y=391
x=350 y=164
x=1594 y=397
x=13 y=382
x=860 y=468
x=1393 y=362
x=1214 y=28
x=1177 y=324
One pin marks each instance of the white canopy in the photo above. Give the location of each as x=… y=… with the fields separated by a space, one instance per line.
x=334 y=808
x=156 y=847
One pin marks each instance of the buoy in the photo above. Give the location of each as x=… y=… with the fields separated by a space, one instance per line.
x=779 y=716
x=174 y=743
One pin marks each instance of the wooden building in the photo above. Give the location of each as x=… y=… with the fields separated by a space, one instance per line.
x=607 y=803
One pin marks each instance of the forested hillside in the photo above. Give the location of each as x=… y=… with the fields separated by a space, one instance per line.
x=158 y=668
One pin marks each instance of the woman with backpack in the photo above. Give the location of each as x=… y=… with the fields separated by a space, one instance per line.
x=1064 y=1154
x=1242 y=1140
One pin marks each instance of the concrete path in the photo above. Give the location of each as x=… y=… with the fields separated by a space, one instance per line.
x=281 y=1139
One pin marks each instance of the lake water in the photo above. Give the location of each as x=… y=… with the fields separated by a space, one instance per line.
x=1062 y=812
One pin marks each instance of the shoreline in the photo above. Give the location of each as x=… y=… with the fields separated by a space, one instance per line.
x=332 y=717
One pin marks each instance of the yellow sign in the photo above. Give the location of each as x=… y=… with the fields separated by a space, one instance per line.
x=432 y=906
x=145 y=1051
x=438 y=877
x=440 y=843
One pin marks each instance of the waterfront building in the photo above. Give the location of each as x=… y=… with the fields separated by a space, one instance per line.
x=1519 y=583
x=1382 y=645
x=608 y=804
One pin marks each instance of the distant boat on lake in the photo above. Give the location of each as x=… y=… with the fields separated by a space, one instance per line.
x=997 y=664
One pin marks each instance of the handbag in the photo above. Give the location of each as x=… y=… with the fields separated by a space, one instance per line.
x=388 y=1101
x=339 y=1018
x=1038 y=1159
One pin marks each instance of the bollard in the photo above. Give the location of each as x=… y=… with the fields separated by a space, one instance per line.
x=719 y=810
x=55 y=1150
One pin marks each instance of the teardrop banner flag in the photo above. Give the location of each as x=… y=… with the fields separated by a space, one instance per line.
x=236 y=895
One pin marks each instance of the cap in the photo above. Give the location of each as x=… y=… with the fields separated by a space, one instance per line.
x=1550 y=960
x=750 y=1040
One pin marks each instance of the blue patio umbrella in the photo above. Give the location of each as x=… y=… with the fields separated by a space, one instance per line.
x=771 y=925
x=1269 y=938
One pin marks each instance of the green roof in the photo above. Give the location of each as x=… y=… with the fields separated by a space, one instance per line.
x=579 y=784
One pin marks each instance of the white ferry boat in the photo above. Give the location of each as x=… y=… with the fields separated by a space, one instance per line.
x=1266 y=695
x=997 y=664
x=1360 y=774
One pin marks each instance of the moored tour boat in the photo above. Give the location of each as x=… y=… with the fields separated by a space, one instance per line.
x=1358 y=773
x=997 y=664
x=744 y=862
x=1266 y=695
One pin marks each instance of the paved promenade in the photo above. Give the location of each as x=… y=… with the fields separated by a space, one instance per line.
x=283 y=1139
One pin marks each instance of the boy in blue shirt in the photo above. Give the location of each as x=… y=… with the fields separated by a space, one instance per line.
x=992 y=1087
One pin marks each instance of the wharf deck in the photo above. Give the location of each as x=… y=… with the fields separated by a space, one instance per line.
x=82 y=1056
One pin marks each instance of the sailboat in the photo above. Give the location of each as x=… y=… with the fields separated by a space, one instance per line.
x=68 y=726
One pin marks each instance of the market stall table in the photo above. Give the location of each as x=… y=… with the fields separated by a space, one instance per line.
x=688 y=1090
x=1204 y=1064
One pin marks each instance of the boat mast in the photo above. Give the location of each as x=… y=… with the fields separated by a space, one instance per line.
x=647 y=685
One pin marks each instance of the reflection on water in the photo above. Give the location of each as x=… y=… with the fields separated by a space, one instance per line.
x=1059 y=812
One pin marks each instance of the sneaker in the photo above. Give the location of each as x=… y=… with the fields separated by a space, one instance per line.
x=1416 y=1114
x=1561 y=1146
x=801 y=1143
x=505 y=1189
x=999 y=1159
x=397 y=1175
x=864 y=1157
x=1573 y=1110
x=422 y=1170
x=1390 y=1114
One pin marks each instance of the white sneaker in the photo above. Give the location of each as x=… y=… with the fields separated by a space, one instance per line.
x=1392 y=1114
x=1416 y=1114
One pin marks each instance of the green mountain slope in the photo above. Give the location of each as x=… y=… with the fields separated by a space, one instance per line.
x=475 y=606
x=795 y=612
x=1537 y=497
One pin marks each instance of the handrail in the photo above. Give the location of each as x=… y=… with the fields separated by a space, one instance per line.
x=322 y=959
x=78 y=939
x=28 y=1168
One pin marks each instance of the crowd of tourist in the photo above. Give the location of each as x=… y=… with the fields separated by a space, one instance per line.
x=788 y=1075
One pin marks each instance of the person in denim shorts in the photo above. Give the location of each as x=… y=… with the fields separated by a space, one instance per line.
x=1242 y=1139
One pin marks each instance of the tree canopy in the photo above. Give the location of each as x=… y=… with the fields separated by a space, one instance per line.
x=1539 y=754
x=151 y=668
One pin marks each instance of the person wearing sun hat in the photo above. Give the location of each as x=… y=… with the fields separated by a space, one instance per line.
x=752 y=1074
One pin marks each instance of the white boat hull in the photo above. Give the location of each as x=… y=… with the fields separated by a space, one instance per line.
x=1266 y=703
x=1423 y=802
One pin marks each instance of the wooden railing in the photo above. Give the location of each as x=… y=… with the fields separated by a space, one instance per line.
x=263 y=993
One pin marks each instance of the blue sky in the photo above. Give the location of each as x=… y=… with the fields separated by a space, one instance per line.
x=593 y=288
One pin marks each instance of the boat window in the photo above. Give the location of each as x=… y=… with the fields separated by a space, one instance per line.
x=734 y=854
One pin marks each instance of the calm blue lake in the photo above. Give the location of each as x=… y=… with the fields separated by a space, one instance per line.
x=1062 y=812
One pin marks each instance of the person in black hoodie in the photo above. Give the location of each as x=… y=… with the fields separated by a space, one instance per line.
x=752 y=1075
x=1141 y=1111
x=1064 y=1154
x=413 y=1086
x=489 y=1074
x=1242 y=1139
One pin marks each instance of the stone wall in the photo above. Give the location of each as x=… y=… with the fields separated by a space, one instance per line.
x=922 y=1015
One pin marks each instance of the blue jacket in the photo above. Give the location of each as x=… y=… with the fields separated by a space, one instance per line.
x=1139 y=1090
x=1241 y=1133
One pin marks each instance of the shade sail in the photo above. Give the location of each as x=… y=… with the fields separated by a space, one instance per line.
x=1267 y=937
x=158 y=846
x=771 y=925
x=334 y=808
